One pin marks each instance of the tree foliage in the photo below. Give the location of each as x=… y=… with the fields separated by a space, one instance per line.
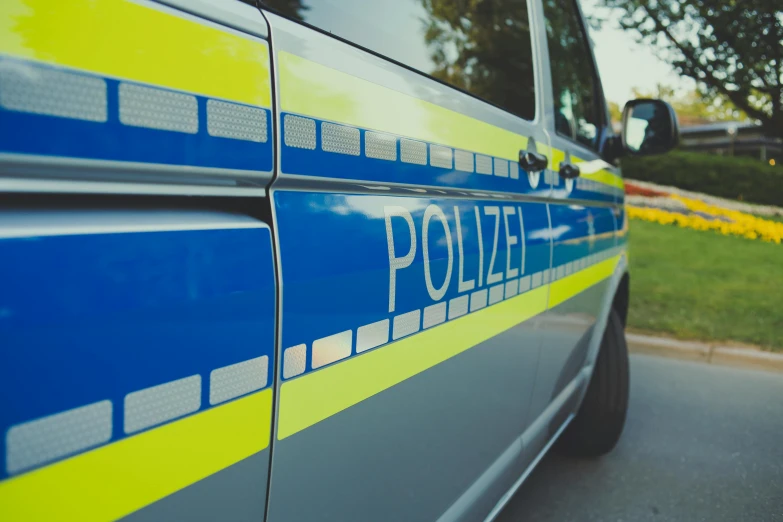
x=484 y=47
x=732 y=48
x=694 y=106
x=291 y=8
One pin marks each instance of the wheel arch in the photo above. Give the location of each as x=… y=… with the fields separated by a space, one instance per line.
x=622 y=297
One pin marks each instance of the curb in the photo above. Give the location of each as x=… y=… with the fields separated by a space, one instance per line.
x=706 y=353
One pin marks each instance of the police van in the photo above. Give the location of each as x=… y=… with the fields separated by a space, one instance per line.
x=305 y=260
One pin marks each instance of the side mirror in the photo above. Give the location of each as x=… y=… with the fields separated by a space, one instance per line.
x=649 y=127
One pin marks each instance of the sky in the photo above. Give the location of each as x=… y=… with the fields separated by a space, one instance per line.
x=623 y=64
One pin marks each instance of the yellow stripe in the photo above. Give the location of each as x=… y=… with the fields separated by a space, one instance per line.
x=566 y=288
x=319 y=395
x=315 y=90
x=115 y=480
x=606 y=177
x=124 y=39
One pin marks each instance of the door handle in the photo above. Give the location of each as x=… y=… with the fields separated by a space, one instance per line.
x=532 y=161
x=568 y=170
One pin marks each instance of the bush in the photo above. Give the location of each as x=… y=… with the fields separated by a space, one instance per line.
x=744 y=179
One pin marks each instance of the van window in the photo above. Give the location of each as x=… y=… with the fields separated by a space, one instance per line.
x=483 y=48
x=578 y=108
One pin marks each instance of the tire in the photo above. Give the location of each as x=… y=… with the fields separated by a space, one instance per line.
x=600 y=420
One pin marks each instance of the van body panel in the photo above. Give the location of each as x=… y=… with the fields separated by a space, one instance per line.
x=138 y=356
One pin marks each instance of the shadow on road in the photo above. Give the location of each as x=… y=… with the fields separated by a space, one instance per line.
x=702 y=443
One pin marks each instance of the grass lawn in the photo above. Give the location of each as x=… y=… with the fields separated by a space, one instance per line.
x=701 y=285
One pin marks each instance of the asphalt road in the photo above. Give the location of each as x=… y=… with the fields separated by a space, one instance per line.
x=701 y=442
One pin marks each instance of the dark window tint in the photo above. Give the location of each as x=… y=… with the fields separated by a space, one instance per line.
x=578 y=108
x=480 y=46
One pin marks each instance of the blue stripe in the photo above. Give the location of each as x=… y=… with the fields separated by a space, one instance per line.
x=334 y=251
x=609 y=194
x=321 y=163
x=94 y=317
x=362 y=168
x=35 y=134
x=575 y=236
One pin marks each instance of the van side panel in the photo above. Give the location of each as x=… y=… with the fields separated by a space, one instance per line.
x=583 y=259
x=387 y=391
x=412 y=259
x=140 y=96
x=136 y=364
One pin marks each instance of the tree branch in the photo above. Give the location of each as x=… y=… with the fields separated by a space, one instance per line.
x=736 y=98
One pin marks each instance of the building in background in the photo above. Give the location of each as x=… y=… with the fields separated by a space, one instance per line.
x=732 y=139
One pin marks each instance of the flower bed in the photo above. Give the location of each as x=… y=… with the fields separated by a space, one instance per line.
x=657 y=206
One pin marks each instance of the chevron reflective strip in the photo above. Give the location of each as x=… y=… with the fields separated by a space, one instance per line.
x=115 y=480
x=315 y=396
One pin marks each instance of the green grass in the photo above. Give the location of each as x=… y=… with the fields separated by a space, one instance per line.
x=701 y=285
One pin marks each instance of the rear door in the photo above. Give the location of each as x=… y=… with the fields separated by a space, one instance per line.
x=582 y=208
x=412 y=252
x=137 y=330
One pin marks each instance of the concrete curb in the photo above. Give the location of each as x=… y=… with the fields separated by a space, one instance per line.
x=707 y=353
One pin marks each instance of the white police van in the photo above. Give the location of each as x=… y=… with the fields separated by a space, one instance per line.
x=305 y=260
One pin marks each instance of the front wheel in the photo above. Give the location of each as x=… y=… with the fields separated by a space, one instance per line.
x=599 y=422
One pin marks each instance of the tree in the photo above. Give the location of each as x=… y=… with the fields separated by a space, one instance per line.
x=695 y=106
x=732 y=48
x=615 y=112
x=290 y=8
x=484 y=47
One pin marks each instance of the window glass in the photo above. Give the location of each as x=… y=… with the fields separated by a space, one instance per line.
x=578 y=108
x=480 y=46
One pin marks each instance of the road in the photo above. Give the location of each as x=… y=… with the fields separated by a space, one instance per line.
x=702 y=442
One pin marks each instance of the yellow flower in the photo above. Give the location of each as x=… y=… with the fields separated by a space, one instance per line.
x=739 y=224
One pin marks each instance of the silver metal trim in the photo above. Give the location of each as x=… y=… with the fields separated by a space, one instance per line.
x=22 y=173
x=34 y=223
x=303 y=183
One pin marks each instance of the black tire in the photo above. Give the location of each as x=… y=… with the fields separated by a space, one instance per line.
x=600 y=420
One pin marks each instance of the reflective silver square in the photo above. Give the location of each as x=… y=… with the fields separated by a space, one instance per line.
x=483 y=164
x=235 y=121
x=340 y=139
x=153 y=108
x=406 y=324
x=299 y=132
x=478 y=299
x=294 y=361
x=435 y=314
x=440 y=156
x=496 y=294
x=41 y=90
x=463 y=160
x=331 y=349
x=380 y=146
x=458 y=306
x=372 y=335
x=501 y=168
x=162 y=403
x=39 y=441
x=413 y=152
x=235 y=380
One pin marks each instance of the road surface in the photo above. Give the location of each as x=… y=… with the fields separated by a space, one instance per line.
x=702 y=443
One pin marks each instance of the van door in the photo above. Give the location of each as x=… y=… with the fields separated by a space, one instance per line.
x=412 y=251
x=584 y=192
x=137 y=331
